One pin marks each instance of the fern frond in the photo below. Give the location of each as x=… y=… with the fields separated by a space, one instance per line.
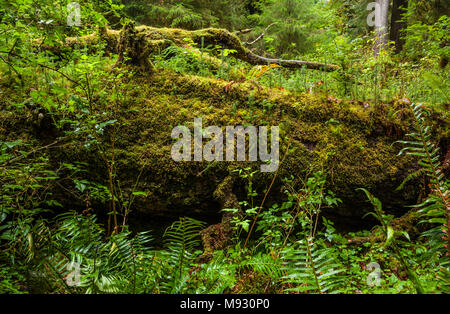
x=185 y=232
x=216 y=276
x=312 y=269
x=181 y=238
x=264 y=264
x=436 y=209
x=412 y=176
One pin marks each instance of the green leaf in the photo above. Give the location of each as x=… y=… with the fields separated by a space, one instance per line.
x=389 y=236
x=139 y=194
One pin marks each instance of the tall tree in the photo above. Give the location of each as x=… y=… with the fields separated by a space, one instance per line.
x=381 y=26
x=398 y=24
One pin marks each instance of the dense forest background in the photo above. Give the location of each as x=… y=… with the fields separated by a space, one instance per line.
x=91 y=201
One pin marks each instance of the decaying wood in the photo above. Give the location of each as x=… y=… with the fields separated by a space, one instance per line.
x=243 y=31
x=255 y=59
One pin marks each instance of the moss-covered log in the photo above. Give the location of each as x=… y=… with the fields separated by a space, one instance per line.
x=353 y=143
x=160 y=38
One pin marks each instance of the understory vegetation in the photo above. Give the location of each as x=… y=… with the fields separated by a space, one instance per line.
x=85 y=167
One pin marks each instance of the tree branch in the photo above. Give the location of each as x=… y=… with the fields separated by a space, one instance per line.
x=293 y=64
x=260 y=36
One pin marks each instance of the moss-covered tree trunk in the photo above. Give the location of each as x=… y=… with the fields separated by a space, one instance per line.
x=133 y=50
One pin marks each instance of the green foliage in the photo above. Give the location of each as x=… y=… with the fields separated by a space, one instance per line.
x=215 y=277
x=187 y=14
x=426 y=40
x=352 y=16
x=300 y=25
x=422 y=147
x=390 y=239
x=71 y=98
x=183 y=60
x=182 y=237
x=264 y=264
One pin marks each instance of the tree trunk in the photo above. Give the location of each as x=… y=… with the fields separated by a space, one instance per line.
x=132 y=48
x=397 y=26
x=381 y=26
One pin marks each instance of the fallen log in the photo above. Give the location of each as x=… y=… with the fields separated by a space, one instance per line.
x=350 y=141
x=160 y=38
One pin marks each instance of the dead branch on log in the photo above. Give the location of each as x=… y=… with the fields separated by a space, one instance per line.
x=243 y=31
x=260 y=36
x=293 y=64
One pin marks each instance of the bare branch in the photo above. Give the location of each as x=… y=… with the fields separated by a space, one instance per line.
x=256 y=59
x=260 y=36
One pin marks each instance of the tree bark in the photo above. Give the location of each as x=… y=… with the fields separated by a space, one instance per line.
x=397 y=25
x=381 y=26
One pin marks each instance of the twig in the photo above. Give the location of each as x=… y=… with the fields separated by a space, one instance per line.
x=243 y=31
x=41 y=65
x=14 y=69
x=7 y=162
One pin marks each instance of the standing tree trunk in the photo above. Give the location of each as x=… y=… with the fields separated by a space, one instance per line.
x=381 y=26
x=397 y=25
